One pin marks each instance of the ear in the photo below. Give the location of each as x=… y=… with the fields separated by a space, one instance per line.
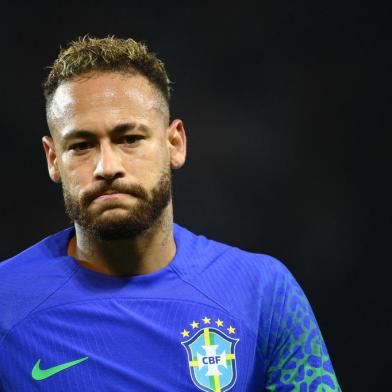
x=51 y=158
x=177 y=143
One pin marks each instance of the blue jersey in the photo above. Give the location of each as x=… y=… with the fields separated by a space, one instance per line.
x=216 y=318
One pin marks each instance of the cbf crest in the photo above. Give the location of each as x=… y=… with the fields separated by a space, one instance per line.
x=211 y=354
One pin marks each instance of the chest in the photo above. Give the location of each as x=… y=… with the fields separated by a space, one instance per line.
x=131 y=344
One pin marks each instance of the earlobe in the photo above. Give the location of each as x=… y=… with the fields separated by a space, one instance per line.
x=51 y=158
x=177 y=144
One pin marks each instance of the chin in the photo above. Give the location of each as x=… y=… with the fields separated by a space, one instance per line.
x=117 y=231
x=118 y=225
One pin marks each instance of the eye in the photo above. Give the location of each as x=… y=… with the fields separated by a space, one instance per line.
x=131 y=139
x=80 y=146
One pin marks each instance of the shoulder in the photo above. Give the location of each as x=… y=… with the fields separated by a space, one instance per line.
x=246 y=284
x=31 y=260
x=206 y=256
x=29 y=278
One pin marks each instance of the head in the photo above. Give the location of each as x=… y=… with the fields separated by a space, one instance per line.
x=112 y=145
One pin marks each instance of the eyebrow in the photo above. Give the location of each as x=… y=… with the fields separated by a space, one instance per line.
x=118 y=129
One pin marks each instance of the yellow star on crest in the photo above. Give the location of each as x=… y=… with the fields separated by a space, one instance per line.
x=194 y=325
x=231 y=330
x=219 y=323
x=185 y=333
x=206 y=320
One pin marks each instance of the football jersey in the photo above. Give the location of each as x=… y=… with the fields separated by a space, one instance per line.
x=216 y=318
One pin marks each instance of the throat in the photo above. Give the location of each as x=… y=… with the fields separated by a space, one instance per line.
x=138 y=256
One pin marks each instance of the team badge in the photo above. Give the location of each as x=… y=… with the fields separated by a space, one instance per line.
x=211 y=354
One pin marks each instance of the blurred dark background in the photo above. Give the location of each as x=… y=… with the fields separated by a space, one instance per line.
x=285 y=109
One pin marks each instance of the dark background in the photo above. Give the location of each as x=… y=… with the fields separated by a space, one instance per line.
x=285 y=109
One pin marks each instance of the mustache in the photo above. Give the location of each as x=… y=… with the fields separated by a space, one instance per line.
x=98 y=190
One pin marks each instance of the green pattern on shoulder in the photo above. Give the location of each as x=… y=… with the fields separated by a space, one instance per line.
x=301 y=361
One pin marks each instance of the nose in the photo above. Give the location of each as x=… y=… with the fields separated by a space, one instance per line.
x=108 y=165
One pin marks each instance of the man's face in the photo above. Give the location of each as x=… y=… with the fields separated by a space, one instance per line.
x=113 y=151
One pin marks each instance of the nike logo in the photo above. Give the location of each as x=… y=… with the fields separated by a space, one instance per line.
x=41 y=374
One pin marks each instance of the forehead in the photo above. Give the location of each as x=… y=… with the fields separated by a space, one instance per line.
x=109 y=96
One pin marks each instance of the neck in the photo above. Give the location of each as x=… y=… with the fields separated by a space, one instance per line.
x=143 y=254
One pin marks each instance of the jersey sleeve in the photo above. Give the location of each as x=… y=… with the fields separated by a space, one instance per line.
x=299 y=361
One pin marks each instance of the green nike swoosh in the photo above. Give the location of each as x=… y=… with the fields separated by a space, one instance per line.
x=41 y=374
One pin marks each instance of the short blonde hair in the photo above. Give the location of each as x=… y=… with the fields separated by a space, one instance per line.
x=88 y=54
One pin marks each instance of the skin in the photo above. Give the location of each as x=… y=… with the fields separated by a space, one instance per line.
x=137 y=156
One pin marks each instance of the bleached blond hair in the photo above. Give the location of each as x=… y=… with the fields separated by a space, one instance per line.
x=89 y=54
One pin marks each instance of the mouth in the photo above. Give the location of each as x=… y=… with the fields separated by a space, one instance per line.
x=109 y=195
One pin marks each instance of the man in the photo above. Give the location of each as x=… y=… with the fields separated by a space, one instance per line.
x=126 y=300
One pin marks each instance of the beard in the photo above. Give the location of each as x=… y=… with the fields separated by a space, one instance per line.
x=103 y=225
